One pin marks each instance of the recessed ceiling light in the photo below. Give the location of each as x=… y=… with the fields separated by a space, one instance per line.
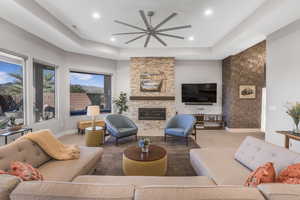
x=208 y=12
x=191 y=38
x=96 y=15
x=112 y=39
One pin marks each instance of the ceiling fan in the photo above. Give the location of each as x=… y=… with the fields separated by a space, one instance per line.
x=151 y=31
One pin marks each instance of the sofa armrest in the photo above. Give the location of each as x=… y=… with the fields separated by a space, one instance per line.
x=7 y=185
x=45 y=190
x=279 y=191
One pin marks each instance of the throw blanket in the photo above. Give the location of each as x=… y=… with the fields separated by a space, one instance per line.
x=52 y=146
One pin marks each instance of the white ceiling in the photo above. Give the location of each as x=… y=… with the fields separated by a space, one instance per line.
x=234 y=26
x=207 y=30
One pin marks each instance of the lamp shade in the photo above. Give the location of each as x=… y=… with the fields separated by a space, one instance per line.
x=93 y=110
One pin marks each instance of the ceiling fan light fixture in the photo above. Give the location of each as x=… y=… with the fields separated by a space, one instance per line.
x=208 y=12
x=113 y=39
x=191 y=38
x=151 y=31
x=96 y=15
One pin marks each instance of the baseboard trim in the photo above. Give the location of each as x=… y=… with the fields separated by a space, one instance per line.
x=243 y=130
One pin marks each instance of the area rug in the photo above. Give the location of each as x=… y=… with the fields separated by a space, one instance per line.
x=178 y=156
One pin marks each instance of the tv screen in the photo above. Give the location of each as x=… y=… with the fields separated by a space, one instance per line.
x=199 y=93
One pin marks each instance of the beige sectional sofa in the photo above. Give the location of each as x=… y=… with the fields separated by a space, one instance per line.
x=222 y=172
x=26 y=151
x=230 y=166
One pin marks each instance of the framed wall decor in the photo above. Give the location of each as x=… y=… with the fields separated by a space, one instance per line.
x=247 y=91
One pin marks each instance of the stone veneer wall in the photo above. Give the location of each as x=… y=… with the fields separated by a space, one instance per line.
x=245 y=68
x=152 y=65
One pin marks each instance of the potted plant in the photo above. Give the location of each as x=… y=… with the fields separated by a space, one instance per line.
x=121 y=103
x=293 y=110
x=144 y=144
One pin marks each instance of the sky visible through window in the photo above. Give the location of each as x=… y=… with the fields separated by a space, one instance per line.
x=6 y=69
x=96 y=80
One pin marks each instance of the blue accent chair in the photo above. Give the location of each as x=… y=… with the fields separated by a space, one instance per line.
x=180 y=125
x=120 y=126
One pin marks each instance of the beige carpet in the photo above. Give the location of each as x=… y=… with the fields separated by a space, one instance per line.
x=216 y=138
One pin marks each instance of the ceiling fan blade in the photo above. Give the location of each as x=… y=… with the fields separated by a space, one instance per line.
x=132 y=26
x=142 y=13
x=165 y=20
x=130 y=33
x=174 y=28
x=173 y=36
x=160 y=40
x=134 y=39
x=147 y=40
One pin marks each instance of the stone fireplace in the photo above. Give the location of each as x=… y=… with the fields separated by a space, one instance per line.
x=151 y=106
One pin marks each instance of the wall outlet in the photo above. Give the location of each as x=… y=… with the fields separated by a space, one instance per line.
x=201 y=108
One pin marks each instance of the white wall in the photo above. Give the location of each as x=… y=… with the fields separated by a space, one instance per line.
x=15 y=39
x=198 y=72
x=283 y=80
x=123 y=78
x=185 y=72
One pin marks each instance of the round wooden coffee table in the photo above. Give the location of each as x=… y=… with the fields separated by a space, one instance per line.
x=137 y=163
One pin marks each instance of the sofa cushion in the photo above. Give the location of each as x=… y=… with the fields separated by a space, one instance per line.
x=197 y=193
x=7 y=185
x=67 y=170
x=254 y=152
x=278 y=191
x=22 y=150
x=219 y=164
x=146 y=180
x=290 y=175
x=69 y=191
x=25 y=171
x=263 y=174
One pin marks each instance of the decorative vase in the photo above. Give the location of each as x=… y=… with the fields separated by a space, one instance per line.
x=296 y=129
x=145 y=149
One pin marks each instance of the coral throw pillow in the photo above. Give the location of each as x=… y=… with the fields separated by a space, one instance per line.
x=263 y=174
x=25 y=171
x=290 y=175
x=3 y=172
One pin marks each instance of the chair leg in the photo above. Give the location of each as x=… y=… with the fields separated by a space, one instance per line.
x=196 y=136
x=136 y=137
x=165 y=138
x=187 y=140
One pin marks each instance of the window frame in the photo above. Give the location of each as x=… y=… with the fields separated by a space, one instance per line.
x=57 y=95
x=76 y=70
x=12 y=57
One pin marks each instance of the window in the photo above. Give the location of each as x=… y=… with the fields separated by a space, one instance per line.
x=44 y=91
x=89 y=89
x=11 y=91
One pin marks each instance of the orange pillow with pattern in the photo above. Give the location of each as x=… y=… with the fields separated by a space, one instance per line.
x=263 y=174
x=25 y=171
x=290 y=175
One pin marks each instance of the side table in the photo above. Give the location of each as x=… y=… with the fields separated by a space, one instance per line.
x=94 y=138
x=8 y=133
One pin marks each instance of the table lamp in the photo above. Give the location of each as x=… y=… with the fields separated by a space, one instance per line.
x=93 y=111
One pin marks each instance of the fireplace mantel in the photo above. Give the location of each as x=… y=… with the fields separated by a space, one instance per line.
x=160 y=98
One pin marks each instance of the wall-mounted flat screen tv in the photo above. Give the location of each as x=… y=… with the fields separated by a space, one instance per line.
x=199 y=93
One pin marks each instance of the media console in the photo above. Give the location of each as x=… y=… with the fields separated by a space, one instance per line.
x=209 y=122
